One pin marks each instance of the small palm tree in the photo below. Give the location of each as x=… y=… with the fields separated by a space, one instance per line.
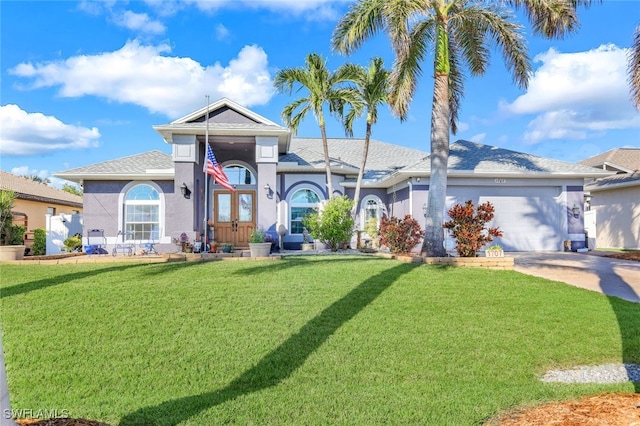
x=38 y=179
x=372 y=85
x=459 y=33
x=323 y=88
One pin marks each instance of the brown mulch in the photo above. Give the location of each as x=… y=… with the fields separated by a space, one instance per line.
x=611 y=409
x=626 y=255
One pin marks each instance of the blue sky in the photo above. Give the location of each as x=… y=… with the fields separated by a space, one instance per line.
x=83 y=82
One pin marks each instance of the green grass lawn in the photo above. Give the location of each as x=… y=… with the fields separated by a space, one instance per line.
x=306 y=340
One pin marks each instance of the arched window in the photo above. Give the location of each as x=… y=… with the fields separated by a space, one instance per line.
x=302 y=203
x=142 y=213
x=370 y=208
x=239 y=175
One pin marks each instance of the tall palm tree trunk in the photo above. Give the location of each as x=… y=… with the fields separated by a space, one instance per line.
x=365 y=153
x=434 y=232
x=327 y=162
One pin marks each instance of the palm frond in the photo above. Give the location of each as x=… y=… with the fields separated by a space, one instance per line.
x=634 y=68
x=362 y=21
x=456 y=85
x=551 y=18
x=407 y=69
x=506 y=34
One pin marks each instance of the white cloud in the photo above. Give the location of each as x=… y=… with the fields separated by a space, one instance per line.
x=140 y=22
x=221 y=32
x=26 y=133
x=479 y=138
x=311 y=9
x=576 y=94
x=462 y=127
x=146 y=76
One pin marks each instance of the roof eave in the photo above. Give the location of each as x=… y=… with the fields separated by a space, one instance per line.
x=613 y=186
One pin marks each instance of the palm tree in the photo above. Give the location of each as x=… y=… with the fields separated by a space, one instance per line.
x=372 y=84
x=634 y=68
x=323 y=87
x=459 y=33
x=38 y=179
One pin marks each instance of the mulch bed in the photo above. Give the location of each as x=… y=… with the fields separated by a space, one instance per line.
x=626 y=255
x=612 y=409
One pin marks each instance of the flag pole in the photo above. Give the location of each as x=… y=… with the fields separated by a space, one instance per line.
x=206 y=178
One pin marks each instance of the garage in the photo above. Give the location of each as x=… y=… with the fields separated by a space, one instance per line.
x=530 y=217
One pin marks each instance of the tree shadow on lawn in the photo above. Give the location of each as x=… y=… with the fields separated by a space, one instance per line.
x=300 y=261
x=280 y=363
x=30 y=286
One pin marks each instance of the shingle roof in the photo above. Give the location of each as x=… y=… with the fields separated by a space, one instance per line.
x=154 y=163
x=615 y=181
x=628 y=158
x=472 y=157
x=28 y=189
x=383 y=158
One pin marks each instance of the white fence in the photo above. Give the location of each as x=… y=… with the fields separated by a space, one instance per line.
x=61 y=227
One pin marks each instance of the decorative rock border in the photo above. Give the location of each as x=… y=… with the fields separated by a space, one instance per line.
x=502 y=263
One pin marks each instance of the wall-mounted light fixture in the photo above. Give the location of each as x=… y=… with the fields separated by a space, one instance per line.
x=417 y=179
x=424 y=209
x=267 y=190
x=576 y=211
x=186 y=192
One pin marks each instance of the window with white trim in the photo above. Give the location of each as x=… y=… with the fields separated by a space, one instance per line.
x=142 y=213
x=302 y=203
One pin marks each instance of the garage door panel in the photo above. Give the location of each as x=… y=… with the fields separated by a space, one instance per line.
x=529 y=217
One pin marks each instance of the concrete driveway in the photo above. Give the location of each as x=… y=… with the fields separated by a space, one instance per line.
x=613 y=277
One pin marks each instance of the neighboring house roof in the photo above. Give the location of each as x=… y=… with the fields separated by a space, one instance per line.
x=305 y=154
x=613 y=182
x=27 y=189
x=145 y=166
x=619 y=159
x=471 y=158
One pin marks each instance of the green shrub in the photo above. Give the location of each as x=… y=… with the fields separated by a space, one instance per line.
x=467 y=226
x=334 y=224
x=74 y=243
x=400 y=235
x=39 y=242
x=16 y=235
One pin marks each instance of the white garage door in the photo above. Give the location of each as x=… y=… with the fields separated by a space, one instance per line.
x=530 y=218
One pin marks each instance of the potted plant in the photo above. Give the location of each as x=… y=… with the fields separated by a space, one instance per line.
x=371 y=229
x=494 y=251
x=11 y=236
x=226 y=247
x=306 y=245
x=258 y=244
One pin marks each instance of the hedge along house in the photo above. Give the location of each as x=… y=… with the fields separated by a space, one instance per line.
x=279 y=178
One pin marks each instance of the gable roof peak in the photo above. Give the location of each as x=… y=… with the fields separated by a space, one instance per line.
x=221 y=103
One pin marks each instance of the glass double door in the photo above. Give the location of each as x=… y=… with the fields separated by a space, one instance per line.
x=234 y=214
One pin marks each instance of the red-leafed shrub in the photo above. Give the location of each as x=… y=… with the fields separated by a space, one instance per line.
x=467 y=226
x=400 y=235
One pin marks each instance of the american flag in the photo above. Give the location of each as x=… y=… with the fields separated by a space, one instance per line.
x=213 y=168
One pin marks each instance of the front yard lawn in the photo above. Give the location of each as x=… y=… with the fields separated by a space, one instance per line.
x=306 y=340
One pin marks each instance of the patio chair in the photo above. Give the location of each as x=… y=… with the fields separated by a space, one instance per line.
x=149 y=246
x=96 y=242
x=124 y=244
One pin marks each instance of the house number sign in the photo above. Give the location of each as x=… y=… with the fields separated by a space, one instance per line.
x=499 y=180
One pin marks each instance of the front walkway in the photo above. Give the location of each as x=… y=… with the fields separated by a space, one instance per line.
x=592 y=271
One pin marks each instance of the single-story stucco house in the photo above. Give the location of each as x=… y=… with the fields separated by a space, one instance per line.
x=278 y=178
x=614 y=201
